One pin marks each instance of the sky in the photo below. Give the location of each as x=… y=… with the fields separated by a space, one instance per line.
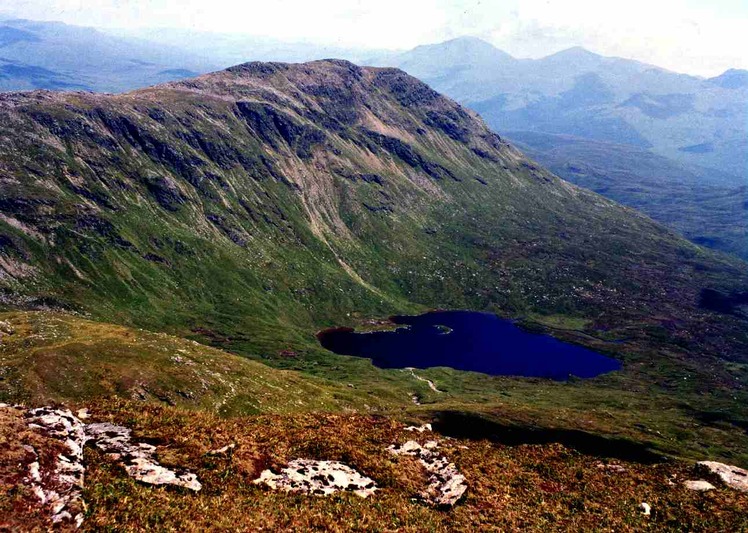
x=702 y=37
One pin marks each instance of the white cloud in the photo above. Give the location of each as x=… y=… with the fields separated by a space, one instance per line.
x=704 y=37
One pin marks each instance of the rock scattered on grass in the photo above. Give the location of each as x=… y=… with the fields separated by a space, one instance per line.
x=698 y=485
x=322 y=478
x=645 y=508
x=446 y=484
x=137 y=458
x=732 y=476
x=223 y=451
x=612 y=467
x=59 y=489
x=6 y=328
x=419 y=429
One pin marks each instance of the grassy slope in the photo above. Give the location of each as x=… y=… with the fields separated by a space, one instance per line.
x=54 y=357
x=511 y=487
x=178 y=210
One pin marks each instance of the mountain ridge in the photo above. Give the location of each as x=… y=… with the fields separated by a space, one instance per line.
x=151 y=242
x=686 y=121
x=249 y=208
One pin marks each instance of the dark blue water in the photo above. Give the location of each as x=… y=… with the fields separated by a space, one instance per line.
x=467 y=340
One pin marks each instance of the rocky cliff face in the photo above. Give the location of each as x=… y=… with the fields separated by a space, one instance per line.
x=267 y=197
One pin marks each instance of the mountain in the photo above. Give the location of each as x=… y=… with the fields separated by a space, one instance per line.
x=577 y=92
x=263 y=162
x=453 y=61
x=53 y=55
x=679 y=196
x=252 y=206
x=151 y=242
x=684 y=122
x=731 y=79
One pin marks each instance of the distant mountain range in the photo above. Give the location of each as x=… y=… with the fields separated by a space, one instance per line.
x=576 y=92
x=631 y=131
x=646 y=137
x=56 y=56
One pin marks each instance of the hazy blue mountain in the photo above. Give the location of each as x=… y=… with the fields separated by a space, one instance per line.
x=673 y=145
x=576 y=92
x=57 y=56
x=52 y=55
x=232 y=49
x=731 y=79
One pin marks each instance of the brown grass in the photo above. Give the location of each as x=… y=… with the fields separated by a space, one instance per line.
x=519 y=487
x=19 y=508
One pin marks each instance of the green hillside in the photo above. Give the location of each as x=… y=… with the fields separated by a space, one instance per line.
x=248 y=208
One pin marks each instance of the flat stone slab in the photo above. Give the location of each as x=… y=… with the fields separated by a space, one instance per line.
x=318 y=477
x=698 y=485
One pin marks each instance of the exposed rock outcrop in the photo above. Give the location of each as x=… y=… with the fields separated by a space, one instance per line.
x=446 y=485
x=318 y=477
x=59 y=488
x=698 y=485
x=137 y=458
x=732 y=476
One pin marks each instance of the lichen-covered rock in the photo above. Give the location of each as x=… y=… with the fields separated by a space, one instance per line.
x=611 y=467
x=6 y=328
x=318 y=477
x=419 y=429
x=226 y=450
x=446 y=484
x=60 y=489
x=137 y=458
x=732 y=476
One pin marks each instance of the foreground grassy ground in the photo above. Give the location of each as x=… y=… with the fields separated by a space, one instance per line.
x=55 y=357
x=511 y=486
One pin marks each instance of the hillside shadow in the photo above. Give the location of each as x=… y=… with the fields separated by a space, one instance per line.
x=471 y=426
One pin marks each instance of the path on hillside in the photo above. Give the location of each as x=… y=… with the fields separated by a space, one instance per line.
x=419 y=378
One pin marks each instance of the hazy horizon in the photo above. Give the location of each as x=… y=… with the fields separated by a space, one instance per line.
x=687 y=36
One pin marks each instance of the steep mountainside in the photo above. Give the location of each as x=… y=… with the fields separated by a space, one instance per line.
x=677 y=195
x=250 y=207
